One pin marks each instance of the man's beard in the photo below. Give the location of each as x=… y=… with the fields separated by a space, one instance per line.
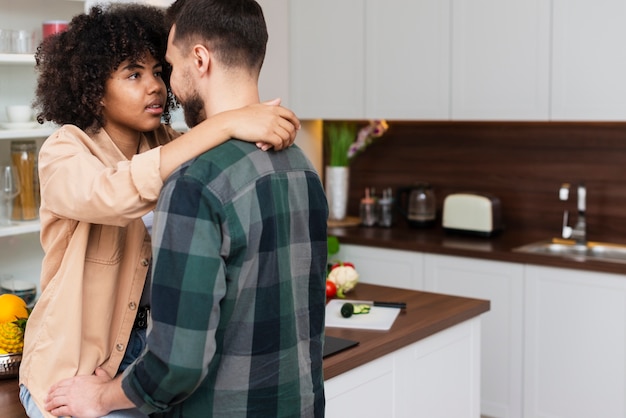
x=193 y=108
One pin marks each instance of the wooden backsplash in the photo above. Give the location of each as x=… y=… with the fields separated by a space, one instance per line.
x=522 y=163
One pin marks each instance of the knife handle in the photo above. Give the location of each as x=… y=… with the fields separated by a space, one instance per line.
x=401 y=305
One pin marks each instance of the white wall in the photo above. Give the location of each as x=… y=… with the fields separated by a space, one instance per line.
x=310 y=140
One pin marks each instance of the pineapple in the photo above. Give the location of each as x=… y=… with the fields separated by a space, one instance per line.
x=12 y=336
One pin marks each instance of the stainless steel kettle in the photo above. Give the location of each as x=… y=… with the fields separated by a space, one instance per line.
x=418 y=204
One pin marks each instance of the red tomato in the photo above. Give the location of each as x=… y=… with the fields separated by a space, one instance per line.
x=331 y=289
x=341 y=263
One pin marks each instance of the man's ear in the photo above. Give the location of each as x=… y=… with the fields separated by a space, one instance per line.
x=201 y=58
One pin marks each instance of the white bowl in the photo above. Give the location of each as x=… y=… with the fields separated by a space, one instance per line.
x=19 y=113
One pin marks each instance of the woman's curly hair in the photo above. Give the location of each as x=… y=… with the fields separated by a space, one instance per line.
x=74 y=65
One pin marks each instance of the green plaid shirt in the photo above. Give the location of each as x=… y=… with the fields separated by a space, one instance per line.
x=238 y=289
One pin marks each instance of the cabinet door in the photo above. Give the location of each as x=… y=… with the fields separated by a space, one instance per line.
x=502 y=339
x=589 y=60
x=407 y=54
x=500 y=59
x=274 y=78
x=367 y=391
x=575 y=347
x=327 y=59
x=394 y=268
x=440 y=375
x=435 y=377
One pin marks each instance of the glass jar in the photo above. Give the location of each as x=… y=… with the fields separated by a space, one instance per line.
x=24 y=157
x=385 y=209
x=368 y=209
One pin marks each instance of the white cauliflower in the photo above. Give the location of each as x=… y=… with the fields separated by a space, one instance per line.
x=345 y=278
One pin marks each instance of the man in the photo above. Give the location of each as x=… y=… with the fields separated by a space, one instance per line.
x=239 y=254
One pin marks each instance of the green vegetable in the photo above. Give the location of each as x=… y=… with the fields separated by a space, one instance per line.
x=349 y=309
x=333 y=245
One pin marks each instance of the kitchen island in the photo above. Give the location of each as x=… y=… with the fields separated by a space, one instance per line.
x=430 y=328
x=427 y=364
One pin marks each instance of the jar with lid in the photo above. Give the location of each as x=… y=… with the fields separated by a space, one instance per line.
x=368 y=209
x=385 y=209
x=24 y=158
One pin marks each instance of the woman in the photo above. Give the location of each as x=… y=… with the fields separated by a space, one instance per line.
x=105 y=81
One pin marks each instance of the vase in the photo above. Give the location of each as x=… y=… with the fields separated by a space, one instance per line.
x=337 y=182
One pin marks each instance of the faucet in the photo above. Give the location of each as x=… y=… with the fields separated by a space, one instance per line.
x=579 y=232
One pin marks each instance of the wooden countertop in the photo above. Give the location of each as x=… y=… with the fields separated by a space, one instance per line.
x=10 y=406
x=425 y=315
x=500 y=247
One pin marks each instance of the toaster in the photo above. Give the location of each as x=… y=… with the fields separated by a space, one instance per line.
x=472 y=214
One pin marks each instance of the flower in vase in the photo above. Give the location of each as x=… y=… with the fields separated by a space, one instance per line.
x=343 y=143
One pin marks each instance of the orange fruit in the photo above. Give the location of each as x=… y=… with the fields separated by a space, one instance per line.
x=12 y=307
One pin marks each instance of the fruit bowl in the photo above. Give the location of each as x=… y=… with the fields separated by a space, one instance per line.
x=10 y=365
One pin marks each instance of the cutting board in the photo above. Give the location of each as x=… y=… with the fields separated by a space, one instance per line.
x=379 y=318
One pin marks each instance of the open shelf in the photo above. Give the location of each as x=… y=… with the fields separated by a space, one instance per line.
x=18 y=228
x=10 y=134
x=17 y=59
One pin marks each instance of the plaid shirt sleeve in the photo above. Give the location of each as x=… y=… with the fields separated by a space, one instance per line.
x=185 y=302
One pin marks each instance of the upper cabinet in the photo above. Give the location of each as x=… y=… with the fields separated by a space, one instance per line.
x=589 y=60
x=274 y=78
x=500 y=59
x=358 y=59
x=422 y=59
x=327 y=58
x=532 y=60
x=407 y=59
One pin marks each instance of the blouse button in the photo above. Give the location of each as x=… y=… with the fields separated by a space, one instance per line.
x=119 y=347
x=132 y=306
x=145 y=262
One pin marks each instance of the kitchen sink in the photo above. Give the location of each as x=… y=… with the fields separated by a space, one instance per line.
x=609 y=252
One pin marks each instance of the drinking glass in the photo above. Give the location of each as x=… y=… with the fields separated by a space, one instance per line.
x=9 y=189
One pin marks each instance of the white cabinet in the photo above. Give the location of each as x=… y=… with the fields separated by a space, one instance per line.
x=393 y=268
x=501 y=59
x=364 y=391
x=438 y=377
x=425 y=59
x=327 y=58
x=407 y=59
x=458 y=59
x=575 y=344
x=358 y=59
x=589 y=61
x=274 y=77
x=502 y=327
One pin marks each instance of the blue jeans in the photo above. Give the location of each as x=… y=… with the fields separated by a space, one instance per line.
x=136 y=345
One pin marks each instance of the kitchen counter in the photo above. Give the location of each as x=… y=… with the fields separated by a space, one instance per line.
x=426 y=314
x=10 y=406
x=431 y=352
x=500 y=247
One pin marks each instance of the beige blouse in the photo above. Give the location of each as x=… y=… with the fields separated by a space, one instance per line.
x=97 y=253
